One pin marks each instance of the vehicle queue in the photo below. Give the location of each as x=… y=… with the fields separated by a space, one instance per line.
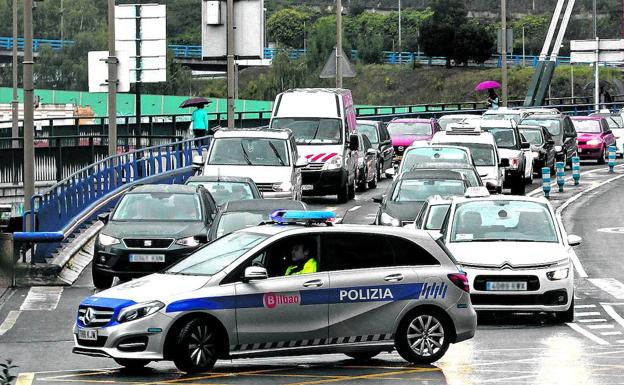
x=233 y=265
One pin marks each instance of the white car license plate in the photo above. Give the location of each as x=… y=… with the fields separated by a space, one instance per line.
x=506 y=286
x=88 y=334
x=149 y=258
x=307 y=187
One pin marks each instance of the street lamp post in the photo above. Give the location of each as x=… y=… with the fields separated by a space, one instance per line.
x=338 y=43
x=112 y=81
x=29 y=149
x=400 y=46
x=505 y=90
x=230 y=64
x=14 y=102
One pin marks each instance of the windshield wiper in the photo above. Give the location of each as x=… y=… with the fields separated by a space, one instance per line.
x=245 y=155
x=277 y=155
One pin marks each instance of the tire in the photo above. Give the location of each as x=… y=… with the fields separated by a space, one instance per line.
x=373 y=183
x=351 y=194
x=101 y=280
x=565 y=316
x=362 y=185
x=518 y=187
x=132 y=364
x=425 y=350
x=343 y=194
x=364 y=355
x=603 y=158
x=195 y=347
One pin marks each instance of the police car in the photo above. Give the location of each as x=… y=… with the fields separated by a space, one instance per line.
x=368 y=290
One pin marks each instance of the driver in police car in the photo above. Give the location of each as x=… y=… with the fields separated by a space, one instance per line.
x=302 y=262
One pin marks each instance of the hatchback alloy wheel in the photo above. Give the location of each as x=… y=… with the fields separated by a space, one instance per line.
x=423 y=337
x=196 y=347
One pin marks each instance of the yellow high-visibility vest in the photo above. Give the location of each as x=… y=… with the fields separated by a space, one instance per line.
x=308 y=267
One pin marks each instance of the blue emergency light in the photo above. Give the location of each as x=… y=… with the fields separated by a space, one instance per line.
x=284 y=216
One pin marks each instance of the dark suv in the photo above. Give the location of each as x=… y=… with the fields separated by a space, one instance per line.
x=151 y=228
x=563 y=133
x=380 y=138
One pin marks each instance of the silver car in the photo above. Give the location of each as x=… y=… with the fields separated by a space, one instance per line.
x=287 y=289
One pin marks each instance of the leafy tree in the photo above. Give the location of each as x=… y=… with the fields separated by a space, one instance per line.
x=370 y=49
x=321 y=42
x=287 y=27
x=535 y=28
x=473 y=42
x=438 y=32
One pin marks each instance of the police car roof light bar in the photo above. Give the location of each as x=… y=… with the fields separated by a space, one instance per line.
x=308 y=217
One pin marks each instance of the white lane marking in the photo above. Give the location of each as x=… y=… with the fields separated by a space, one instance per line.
x=611 y=333
x=585 y=313
x=610 y=285
x=9 y=321
x=611 y=311
x=587 y=334
x=354 y=208
x=502 y=380
x=595 y=327
x=589 y=320
x=584 y=306
x=42 y=298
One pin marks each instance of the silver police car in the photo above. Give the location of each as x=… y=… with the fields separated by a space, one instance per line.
x=292 y=288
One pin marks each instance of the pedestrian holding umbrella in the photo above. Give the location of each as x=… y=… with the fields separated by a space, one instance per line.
x=490 y=85
x=199 y=117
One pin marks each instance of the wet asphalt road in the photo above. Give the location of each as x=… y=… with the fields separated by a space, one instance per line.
x=518 y=349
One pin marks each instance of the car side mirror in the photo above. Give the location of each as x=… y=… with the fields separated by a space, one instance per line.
x=103 y=217
x=198 y=162
x=354 y=142
x=253 y=273
x=550 y=141
x=391 y=171
x=201 y=238
x=378 y=198
x=503 y=163
x=574 y=240
x=525 y=145
x=301 y=162
x=483 y=175
x=608 y=131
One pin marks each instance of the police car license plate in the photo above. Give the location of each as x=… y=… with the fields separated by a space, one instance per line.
x=307 y=187
x=88 y=334
x=149 y=258
x=506 y=286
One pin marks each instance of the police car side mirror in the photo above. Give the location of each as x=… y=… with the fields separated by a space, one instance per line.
x=254 y=273
x=503 y=163
x=198 y=162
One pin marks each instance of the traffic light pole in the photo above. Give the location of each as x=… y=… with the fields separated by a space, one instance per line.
x=29 y=149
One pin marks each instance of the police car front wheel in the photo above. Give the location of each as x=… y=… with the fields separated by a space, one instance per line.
x=423 y=336
x=196 y=346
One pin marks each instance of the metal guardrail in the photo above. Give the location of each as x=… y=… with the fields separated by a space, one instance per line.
x=70 y=203
x=6 y=43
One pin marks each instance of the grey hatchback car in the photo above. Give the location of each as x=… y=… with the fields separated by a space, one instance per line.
x=287 y=289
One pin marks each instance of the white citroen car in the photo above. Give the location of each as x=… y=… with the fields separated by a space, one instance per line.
x=515 y=252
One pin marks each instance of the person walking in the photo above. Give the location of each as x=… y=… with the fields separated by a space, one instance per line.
x=200 y=121
x=492 y=100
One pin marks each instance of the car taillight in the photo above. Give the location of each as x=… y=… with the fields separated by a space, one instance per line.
x=460 y=280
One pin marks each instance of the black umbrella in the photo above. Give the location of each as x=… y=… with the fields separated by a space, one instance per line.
x=192 y=102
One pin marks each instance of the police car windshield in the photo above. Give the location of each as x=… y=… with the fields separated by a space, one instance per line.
x=217 y=255
x=312 y=130
x=226 y=191
x=158 y=206
x=249 y=152
x=498 y=220
x=418 y=190
x=233 y=221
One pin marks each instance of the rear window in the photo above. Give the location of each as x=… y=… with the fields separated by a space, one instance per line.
x=249 y=152
x=590 y=126
x=552 y=125
x=370 y=131
x=532 y=136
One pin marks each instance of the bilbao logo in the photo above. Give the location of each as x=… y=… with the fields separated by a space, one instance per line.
x=271 y=300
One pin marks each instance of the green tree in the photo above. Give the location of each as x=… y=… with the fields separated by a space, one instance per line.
x=370 y=49
x=286 y=27
x=438 y=32
x=535 y=28
x=473 y=42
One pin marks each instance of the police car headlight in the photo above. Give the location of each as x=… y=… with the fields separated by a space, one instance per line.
x=333 y=163
x=559 y=274
x=138 y=311
x=389 y=221
x=284 y=186
x=188 y=242
x=107 y=240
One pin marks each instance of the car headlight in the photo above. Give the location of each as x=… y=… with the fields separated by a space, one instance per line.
x=107 y=240
x=334 y=163
x=138 y=311
x=284 y=186
x=389 y=221
x=594 y=142
x=188 y=242
x=558 y=148
x=558 y=274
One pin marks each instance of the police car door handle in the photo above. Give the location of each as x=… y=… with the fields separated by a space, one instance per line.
x=313 y=283
x=394 y=278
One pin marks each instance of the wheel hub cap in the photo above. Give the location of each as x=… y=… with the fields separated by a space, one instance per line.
x=425 y=335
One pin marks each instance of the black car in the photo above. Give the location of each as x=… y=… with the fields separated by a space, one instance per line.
x=151 y=228
x=237 y=215
x=405 y=197
x=368 y=166
x=563 y=133
x=542 y=145
x=380 y=139
x=469 y=172
x=227 y=188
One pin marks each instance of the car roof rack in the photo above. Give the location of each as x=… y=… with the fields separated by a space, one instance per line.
x=300 y=217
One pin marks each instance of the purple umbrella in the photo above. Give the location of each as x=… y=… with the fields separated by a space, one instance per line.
x=486 y=85
x=194 y=102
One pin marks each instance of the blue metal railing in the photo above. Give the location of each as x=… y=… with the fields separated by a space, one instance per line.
x=72 y=202
x=6 y=43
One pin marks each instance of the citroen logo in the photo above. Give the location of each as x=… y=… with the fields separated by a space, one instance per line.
x=506 y=265
x=147 y=243
x=89 y=316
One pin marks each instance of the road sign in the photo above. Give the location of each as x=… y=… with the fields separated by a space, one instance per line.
x=98 y=71
x=148 y=48
x=604 y=45
x=329 y=70
x=609 y=50
x=248 y=29
x=603 y=56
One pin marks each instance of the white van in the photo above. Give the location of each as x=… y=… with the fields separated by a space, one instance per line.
x=323 y=123
x=268 y=157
